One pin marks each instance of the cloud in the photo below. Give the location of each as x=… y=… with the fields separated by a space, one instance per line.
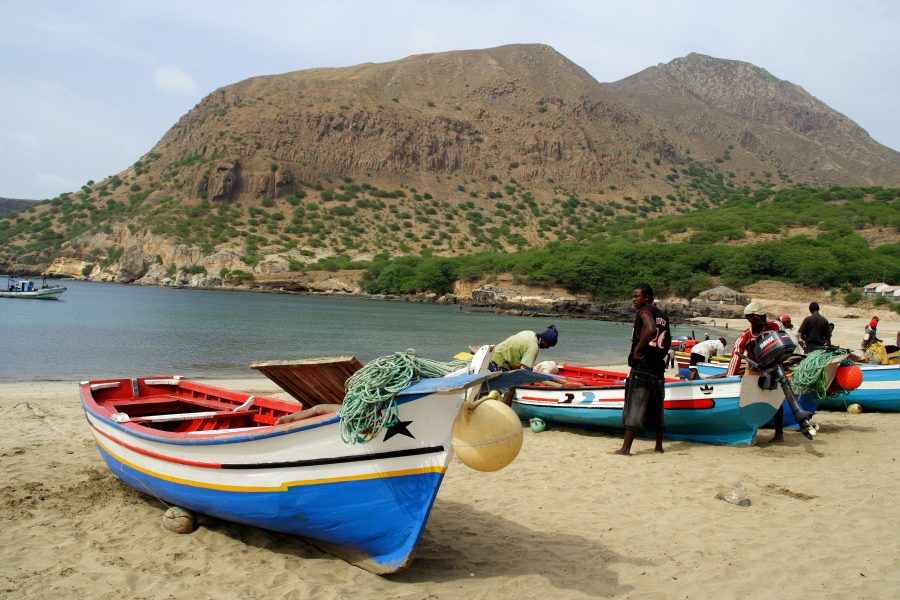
x=172 y=80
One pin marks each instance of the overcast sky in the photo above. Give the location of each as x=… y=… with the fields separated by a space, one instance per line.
x=86 y=87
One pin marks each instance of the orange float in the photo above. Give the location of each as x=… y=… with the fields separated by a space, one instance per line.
x=849 y=377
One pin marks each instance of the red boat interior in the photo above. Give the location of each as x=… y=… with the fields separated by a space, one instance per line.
x=578 y=377
x=181 y=406
x=185 y=406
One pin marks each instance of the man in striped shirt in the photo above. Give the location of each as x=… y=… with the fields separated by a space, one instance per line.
x=746 y=344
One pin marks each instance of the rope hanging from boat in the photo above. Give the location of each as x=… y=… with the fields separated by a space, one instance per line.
x=809 y=377
x=370 y=400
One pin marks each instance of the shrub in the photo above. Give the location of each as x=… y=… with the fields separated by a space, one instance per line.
x=852 y=297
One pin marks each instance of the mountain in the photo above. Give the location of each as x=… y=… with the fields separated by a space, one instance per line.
x=719 y=105
x=450 y=153
x=469 y=114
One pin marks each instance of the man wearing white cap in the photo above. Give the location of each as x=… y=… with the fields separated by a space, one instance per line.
x=745 y=344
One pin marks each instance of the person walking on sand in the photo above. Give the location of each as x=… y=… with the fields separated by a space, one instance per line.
x=815 y=331
x=644 y=388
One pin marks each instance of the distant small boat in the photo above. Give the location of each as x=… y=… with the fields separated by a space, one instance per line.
x=723 y=411
x=25 y=288
x=221 y=453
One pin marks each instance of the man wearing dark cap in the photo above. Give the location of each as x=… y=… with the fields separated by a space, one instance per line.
x=644 y=388
x=520 y=351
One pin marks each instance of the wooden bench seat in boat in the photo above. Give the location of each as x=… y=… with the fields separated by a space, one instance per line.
x=191 y=416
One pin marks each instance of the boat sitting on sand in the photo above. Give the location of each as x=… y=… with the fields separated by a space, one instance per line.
x=225 y=454
x=878 y=392
x=723 y=411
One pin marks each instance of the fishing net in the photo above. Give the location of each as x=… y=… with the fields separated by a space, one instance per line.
x=370 y=403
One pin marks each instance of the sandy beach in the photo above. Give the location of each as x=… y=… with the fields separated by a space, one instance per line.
x=566 y=520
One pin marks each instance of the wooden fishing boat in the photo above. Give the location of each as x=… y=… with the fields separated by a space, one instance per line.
x=221 y=453
x=25 y=288
x=878 y=392
x=683 y=360
x=726 y=411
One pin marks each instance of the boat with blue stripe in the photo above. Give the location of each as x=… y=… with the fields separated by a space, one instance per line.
x=225 y=454
x=878 y=392
x=724 y=411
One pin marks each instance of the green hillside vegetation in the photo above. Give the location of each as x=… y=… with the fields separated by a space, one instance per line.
x=346 y=216
x=597 y=243
x=609 y=264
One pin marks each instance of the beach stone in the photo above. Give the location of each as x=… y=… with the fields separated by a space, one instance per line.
x=736 y=494
x=179 y=520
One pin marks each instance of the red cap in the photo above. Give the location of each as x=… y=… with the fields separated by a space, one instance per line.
x=785 y=318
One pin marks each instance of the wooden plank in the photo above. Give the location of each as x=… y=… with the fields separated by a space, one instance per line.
x=312 y=381
x=190 y=416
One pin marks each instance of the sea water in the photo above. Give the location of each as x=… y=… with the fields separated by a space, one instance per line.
x=99 y=330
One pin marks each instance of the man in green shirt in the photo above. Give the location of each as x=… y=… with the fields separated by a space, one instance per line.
x=520 y=351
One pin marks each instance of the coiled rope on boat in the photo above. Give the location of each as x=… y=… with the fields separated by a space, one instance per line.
x=370 y=403
x=809 y=377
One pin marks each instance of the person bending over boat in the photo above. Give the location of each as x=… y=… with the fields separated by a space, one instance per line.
x=520 y=351
x=644 y=388
x=746 y=344
x=703 y=351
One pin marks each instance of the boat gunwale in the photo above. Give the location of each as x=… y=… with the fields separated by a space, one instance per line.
x=94 y=409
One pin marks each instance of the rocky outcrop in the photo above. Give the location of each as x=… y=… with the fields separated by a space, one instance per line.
x=223 y=181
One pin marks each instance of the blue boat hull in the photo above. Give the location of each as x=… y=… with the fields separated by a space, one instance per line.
x=381 y=519
x=695 y=411
x=879 y=392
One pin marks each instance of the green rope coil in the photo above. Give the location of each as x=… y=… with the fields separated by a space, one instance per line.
x=370 y=400
x=809 y=377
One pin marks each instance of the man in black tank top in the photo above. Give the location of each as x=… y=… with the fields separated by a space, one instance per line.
x=644 y=388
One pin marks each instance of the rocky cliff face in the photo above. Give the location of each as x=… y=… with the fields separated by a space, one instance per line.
x=468 y=113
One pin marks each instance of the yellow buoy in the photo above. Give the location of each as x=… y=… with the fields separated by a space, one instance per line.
x=487 y=434
x=854 y=409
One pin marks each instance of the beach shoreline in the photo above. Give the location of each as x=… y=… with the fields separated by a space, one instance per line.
x=566 y=519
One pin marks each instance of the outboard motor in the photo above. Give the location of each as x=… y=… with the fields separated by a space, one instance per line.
x=772 y=349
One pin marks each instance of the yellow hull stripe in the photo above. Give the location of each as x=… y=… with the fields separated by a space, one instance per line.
x=281 y=488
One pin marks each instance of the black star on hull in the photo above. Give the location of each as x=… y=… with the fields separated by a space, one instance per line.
x=398 y=427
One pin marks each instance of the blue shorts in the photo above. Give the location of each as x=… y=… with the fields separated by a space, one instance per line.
x=645 y=393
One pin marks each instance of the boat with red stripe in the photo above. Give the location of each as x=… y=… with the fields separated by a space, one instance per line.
x=722 y=411
x=224 y=453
